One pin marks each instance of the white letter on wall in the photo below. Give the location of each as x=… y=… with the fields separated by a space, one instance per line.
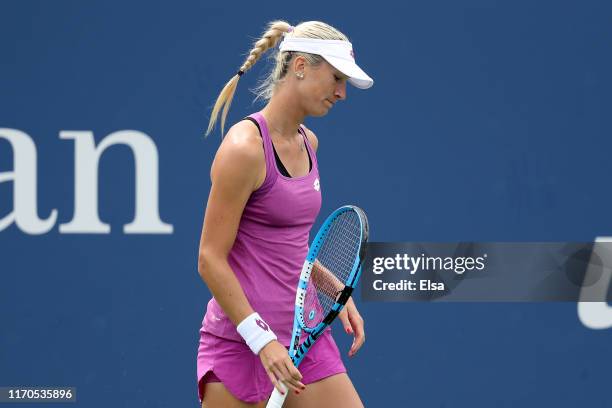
x=25 y=203
x=594 y=311
x=87 y=157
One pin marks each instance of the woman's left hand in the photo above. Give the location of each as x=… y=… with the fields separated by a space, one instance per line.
x=353 y=324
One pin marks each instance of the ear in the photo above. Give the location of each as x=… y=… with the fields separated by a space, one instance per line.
x=299 y=63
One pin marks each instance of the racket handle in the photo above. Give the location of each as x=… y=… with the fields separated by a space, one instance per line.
x=277 y=399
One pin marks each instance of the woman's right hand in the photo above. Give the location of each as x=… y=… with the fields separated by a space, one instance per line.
x=280 y=368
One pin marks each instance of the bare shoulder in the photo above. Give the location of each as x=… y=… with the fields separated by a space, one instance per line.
x=241 y=155
x=312 y=138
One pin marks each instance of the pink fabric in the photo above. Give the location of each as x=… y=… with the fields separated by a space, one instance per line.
x=241 y=372
x=271 y=245
x=209 y=377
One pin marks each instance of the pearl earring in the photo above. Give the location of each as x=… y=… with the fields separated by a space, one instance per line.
x=300 y=75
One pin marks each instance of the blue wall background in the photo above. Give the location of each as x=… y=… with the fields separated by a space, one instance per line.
x=487 y=121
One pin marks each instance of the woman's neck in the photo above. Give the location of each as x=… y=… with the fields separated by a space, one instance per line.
x=282 y=115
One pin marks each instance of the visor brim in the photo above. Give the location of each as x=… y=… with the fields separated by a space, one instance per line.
x=357 y=76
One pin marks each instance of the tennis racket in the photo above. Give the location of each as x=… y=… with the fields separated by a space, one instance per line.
x=329 y=275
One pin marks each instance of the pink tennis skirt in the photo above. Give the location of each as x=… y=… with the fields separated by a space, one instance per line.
x=242 y=373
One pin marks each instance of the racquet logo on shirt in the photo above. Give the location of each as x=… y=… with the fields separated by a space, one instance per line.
x=262 y=324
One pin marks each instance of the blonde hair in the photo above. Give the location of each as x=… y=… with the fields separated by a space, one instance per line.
x=269 y=39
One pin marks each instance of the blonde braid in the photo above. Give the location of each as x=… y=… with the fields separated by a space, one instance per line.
x=269 y=39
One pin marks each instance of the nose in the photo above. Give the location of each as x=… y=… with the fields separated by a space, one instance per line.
x=340 y=91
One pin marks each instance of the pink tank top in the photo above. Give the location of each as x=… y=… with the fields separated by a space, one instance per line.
x=271 y=245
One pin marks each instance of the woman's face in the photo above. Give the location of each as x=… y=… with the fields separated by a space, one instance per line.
x=321 y=87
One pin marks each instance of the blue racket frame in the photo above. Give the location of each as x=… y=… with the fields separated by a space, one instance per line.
x=296 y=350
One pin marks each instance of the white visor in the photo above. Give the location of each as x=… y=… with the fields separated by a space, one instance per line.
x=337 y=52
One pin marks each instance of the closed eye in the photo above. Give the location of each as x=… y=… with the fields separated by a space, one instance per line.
x=340 y=77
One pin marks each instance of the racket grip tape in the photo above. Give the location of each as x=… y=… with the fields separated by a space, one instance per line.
x=277 y=399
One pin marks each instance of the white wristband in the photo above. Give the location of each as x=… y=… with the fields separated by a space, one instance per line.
x=255 y=332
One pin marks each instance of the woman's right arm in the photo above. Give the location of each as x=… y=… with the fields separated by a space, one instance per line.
x=238 y=169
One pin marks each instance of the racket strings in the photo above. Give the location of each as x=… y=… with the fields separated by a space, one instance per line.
x=333 y=266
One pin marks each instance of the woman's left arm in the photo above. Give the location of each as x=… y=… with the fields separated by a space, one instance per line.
x=353 y=324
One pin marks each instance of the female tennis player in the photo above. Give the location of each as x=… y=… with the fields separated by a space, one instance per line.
x=264 y=199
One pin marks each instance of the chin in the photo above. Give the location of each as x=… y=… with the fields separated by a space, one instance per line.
x=320 y=112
